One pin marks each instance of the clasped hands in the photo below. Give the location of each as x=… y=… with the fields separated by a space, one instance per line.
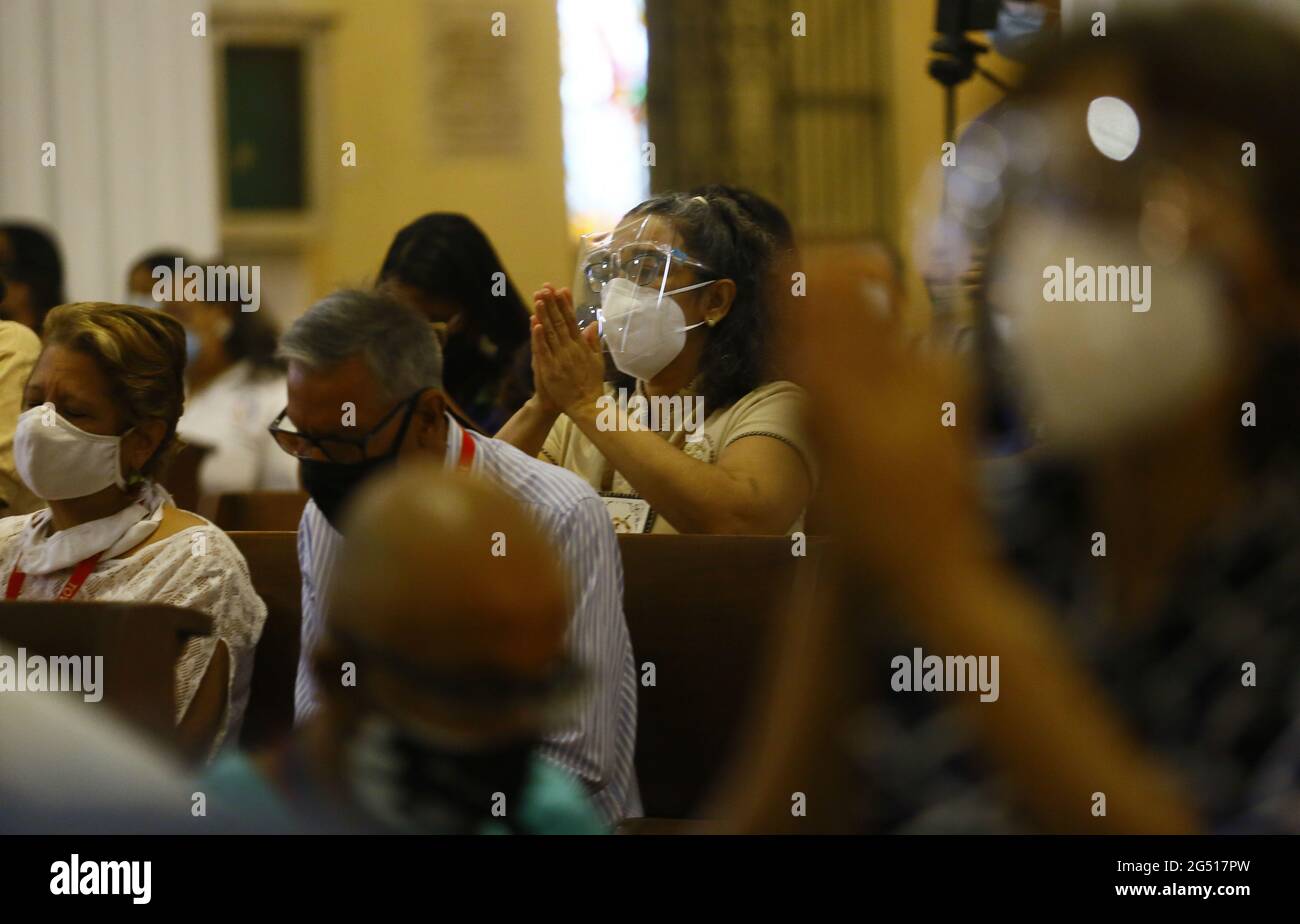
x=568 y=365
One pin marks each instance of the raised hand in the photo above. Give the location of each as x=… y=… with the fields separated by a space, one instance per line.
x=567 y=365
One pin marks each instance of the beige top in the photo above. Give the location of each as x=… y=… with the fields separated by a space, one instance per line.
x=19 y=347
x=773 y=410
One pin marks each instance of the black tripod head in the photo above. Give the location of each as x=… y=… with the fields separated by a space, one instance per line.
x=955 y=53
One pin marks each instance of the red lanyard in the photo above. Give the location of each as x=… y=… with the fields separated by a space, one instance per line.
x=79 y=575
x=466 y=450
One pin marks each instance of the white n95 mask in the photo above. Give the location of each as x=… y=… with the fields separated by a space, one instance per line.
x=643 y=329
x=1107 y=341
x=58 y=461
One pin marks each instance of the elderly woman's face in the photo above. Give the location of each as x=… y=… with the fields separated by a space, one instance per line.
x=78 y=389
x=81 y=394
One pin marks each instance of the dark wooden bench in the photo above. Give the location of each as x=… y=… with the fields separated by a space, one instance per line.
x=260 y=511
x=700 y=609
x=138 y=642
x=273 y=563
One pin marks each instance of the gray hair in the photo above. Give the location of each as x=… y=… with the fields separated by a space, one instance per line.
x=397 y=343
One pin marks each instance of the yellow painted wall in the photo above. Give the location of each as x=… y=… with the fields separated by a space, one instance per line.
x=378 y=96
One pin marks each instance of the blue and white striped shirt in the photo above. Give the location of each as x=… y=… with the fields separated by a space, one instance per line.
x=600 y=745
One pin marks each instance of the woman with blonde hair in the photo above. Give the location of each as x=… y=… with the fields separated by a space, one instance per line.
x=98 y=426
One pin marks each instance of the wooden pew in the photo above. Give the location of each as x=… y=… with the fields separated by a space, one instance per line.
x=273 y=563
x=139 y=643
x=699 y=608
x=182 y=476
x=260 y=511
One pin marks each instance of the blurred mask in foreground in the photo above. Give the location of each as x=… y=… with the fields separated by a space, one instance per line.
x=1108 y=302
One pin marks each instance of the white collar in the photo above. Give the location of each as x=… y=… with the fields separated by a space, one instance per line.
x=455 y=440
x=44 y=551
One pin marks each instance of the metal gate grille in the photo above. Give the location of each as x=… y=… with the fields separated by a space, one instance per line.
x=734 y=97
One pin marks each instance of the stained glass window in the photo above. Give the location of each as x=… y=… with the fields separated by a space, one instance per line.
x=603 y=53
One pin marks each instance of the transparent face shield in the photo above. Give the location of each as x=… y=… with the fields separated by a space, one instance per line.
x=627 y=282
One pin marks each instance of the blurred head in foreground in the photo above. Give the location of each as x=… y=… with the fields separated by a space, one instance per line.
x=443 y=659
x=1144 y=230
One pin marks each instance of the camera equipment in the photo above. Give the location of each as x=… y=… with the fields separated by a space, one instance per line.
x=955 y=54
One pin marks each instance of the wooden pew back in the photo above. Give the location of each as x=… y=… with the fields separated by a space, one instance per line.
x=181 y=479
x=256 y=511
x=700 y=609
x=139 y=643
x=273 y=563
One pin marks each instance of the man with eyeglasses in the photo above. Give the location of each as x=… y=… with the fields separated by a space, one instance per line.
x=364 y=386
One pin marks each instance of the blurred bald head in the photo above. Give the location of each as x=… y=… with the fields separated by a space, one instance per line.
x=448 y=575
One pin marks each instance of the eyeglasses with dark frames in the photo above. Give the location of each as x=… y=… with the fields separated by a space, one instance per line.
x=341 y=449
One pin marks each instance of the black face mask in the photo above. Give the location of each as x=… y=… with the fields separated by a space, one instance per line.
x=413 y=784
x=330 y=484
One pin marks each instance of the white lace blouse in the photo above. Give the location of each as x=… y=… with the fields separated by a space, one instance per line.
x=199 y=568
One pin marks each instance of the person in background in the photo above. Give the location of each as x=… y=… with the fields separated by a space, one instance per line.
x=441 y=731
x=235 y=386
x=1141 y=590
x=99 y=423
x=364 y=391
x=683 y=286
x=33 y=274
x=443 y=266
x=140 y=280
x=19 y=347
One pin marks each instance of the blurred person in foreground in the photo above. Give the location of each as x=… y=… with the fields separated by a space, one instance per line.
x=1149 y=684
x=678 y=295
x=444 y=266
x=365 y=390
x=97 y=430
x=33 y=272
x=72 y=767
x=431 y=717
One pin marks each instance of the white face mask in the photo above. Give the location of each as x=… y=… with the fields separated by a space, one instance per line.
x=1099 y=372
x=643 y=328
x=58 y=461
